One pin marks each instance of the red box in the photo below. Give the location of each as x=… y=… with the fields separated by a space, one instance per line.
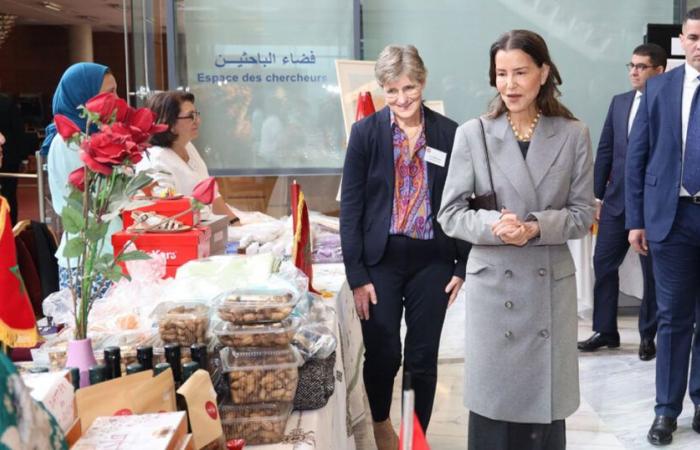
x=178 y=247
x=167 y=208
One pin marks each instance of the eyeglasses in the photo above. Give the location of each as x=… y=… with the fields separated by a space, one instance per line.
x=194 y=115
x=640 y=67
x=410 y=91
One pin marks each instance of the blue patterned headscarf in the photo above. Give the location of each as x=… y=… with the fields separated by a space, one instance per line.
x=79 y=83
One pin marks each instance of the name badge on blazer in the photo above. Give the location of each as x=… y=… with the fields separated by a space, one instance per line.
x=435 y=156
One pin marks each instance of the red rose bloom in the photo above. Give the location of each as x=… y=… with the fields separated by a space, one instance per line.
x=124 y=111
x=103 y=104
x=143 y=124
x=65 y=127
x=77 y=178
x=109 y=147
x=205 y=191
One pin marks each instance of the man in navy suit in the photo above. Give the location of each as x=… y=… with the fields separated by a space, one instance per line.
x=663 y=215
x=648 y=60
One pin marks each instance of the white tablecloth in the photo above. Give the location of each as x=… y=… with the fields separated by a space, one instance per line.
x=582 y=250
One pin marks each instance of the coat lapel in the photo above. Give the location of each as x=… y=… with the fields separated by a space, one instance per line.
x=504 y=153
x=386 y=147
x=544 y=149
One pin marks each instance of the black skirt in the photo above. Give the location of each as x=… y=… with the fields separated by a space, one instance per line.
x=489 y=434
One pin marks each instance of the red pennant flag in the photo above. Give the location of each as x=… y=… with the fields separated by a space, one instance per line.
x=301 y=246
x=17 y=321
x=419 y=442
x=365 y=106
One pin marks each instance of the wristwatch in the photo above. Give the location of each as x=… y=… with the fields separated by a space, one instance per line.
x=233 y=220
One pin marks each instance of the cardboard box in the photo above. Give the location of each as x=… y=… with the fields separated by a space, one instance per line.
x=219 y=233
x=167 y=208
x=55 y=391
x=178 y=247
x=164 y=431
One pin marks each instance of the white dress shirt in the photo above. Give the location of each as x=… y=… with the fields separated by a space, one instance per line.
x=690 y=84
x=633 y=111
x=181 y=176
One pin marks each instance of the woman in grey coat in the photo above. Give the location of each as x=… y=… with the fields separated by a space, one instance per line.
x=521 y=364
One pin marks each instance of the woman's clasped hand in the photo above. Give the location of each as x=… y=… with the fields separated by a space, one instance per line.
x=511 y=230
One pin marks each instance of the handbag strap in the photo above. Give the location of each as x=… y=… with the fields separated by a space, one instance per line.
x=486 y=152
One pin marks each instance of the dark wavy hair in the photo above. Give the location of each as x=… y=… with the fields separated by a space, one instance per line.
x=166 y=106
x=534 y=45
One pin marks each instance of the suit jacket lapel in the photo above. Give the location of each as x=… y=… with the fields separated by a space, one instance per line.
x=432 y=136
x=505 y=154
x=544 y=149
x=627 y=103
x=673 y=91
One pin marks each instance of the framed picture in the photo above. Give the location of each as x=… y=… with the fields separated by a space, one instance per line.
x=436 y=105
x=355 y=77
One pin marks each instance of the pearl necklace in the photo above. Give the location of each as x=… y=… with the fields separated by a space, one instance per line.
x=525 y=137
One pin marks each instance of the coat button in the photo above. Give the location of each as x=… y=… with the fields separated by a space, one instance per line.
x=509 y=334
x=509 y=273
x=542 y=272
x=509 y=304
x=544 y=334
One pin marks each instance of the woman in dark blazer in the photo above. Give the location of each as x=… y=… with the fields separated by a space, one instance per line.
x=395 y=253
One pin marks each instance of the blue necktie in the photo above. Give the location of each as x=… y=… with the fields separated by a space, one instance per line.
x=691 y=162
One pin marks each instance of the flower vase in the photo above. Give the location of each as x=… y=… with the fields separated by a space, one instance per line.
x=80 y=355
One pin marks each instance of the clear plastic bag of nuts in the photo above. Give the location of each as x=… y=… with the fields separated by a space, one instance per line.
x=260 y=375
x=275 y=334
x=183 y=323
x=251 y=306
x=262 y=423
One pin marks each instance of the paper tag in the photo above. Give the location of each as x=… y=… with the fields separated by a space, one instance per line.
x=435 y=156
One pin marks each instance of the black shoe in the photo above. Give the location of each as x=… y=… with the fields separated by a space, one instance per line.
x=647 y=349
x=696 y=419
x=661 y=431
x=593 y=343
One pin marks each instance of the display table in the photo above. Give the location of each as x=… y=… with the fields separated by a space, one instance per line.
x=327 y=428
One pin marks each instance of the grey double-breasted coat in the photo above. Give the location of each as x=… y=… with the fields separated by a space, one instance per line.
x=521 y=359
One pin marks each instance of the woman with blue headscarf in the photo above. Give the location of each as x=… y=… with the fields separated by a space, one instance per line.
x=79 y=83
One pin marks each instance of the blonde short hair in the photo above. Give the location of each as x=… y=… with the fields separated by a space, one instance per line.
x=398 y=60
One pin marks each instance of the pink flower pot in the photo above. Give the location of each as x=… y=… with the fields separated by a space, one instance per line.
x=80 y=355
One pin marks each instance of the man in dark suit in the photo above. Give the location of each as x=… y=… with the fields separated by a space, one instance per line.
x=648 y=60
x=662 y=193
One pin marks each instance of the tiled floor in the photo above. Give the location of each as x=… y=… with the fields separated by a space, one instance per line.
x=617 y=396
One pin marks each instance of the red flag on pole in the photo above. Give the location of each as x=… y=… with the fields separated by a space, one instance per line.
x=301 y=245
x=419 y=441
x=17 y=321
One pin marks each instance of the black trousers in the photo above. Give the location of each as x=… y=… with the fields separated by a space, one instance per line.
x=489 y=434
x=610 y=250
x=412 y=277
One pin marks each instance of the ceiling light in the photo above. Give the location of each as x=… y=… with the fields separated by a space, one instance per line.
x=52 y=6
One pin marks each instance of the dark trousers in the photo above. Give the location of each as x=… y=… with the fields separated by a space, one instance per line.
x=489 y=434
x=411 y=277
x=677 y=272
x=610 y=250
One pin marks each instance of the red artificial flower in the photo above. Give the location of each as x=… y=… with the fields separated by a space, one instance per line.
x=143 y=125
x=124 y=111
x=205 y=191
x=65 y=127
x=103 y=104
x=77 y=178
x=107 y=148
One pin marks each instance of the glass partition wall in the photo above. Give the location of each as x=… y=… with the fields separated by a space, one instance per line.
x=264 y=77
